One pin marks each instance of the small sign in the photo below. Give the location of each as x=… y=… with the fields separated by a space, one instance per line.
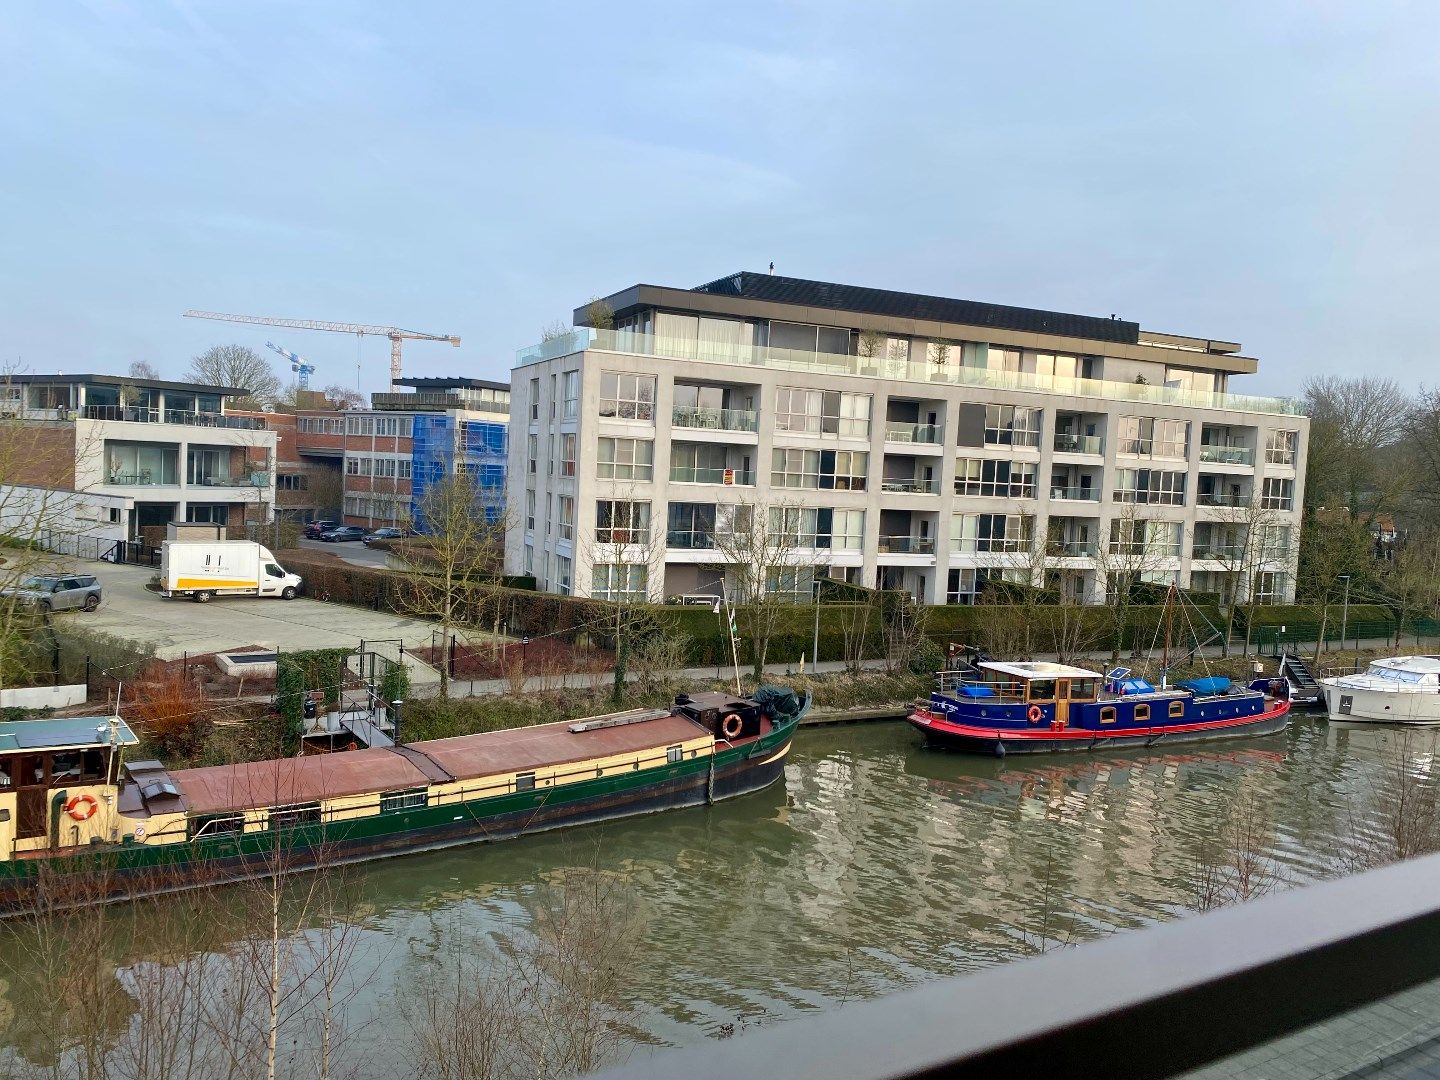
x=729 y=480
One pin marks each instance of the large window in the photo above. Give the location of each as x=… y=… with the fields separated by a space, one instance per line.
x=808 y=337
x=1275 y=542
x=567 y=518
x=625 y=459
x=991 y=532
x=817 y=527
x=622 y=582
x=964 y=585
x=839 y=470
x=619 y=521
x=1270 y=587
x=690 y=526
x=1158 y=486
x=1008 y=479
x=570 y=391
x=822 y=412
x=1138 y=536
x=1202 y=382
x=1278 y=494
x=697 y=463
x=567 y=454
x=562 y=574
x=627 y=397
x=1011 y=425
x=1281 y=446
x=1144 y=436
x=141 y=463
x=321 y=425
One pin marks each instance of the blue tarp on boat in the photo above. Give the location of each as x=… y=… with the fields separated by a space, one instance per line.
x=1214 y=684
x=1132 y=686
x=975 y=691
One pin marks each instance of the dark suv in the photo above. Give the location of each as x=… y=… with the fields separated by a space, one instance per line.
x=314 y=529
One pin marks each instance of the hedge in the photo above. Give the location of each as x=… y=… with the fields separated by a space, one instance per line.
x=1306 y=614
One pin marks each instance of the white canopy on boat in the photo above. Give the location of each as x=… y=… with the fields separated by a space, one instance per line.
x=1039 y=669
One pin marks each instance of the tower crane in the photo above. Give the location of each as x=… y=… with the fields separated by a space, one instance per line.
x=394 y=333
x=298 y=364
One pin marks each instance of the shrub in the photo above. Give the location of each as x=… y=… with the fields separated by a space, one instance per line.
x=171 y=712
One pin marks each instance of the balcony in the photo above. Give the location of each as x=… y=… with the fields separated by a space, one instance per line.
x=916 y=486
x=689 y=416
x=1078 y=444
x=1220 y=498
x=1218 y=552
x=246 y=480
x=1076 y=494
x=682 y=474
x=920 y=371
x=435 y=401
x=136 y=415
x=1070 y=549
x=1227 y=455
x=926 y=434
x=906 y=545
x=143 y=478
x=690 y=539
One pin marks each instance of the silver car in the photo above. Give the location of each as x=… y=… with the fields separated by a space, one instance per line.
x=57 y=593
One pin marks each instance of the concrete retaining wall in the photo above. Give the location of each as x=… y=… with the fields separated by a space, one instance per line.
x=43 y=697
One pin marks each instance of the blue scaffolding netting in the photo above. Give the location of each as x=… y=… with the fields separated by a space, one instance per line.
x=443 y=446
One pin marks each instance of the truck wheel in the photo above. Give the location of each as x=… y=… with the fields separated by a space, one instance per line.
x=92 y=602
x=203 y=596
x=287 y=593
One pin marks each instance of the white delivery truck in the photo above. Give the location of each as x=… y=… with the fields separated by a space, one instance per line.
x=201 y=569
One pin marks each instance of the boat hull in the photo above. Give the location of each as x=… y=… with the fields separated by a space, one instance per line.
x=1362 y=705
x=944 y=734
x=128 y=871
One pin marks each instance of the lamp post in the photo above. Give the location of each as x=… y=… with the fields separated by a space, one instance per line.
x=395 y=720
x=815 y=646
x=1345 y=610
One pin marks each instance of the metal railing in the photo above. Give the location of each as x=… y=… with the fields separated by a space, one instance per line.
x=137 y=415
x=695 y=474
x=1217 y=552
x=145 y=478
x=1149 y=1003
x=929 y=434
x=690 y=539
x=1076 y=494
x=1227 y=455
x=906 y=545
x=690 y=416
x=433 y=399
x=629 y=341
x=1079 y=444
x=1220 y=498
x=1071 y=549
x=911 y=487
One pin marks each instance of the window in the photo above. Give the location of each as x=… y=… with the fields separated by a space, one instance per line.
x=1011 y=425
x=530 y=559
x=550 y=455
x=620 y=582
x=625 y=459
x=403 y=466
x=1280 y=447
x=570 y=393
x=271 y=570
x=816 y=412
x=567 y=454
x=1275 y=541
x=525 y=781
x=390 y=801
x=532 y=449
x=697 y=463
x=621 y=522
x=816 y=527
x=1141 y=537
x=1160 y=486
x=290 y=482
x=1142 y=712
x=1270 y=587
x=384 y=467
x=965 y=584
x=1177 y=708
x=674 y=755
x=839 y=470
x=690 y=526
x=530 y=511
x=141 y=463
x=1278 y=494
x=627 y=397
x=1202 y=382
x=1107 y=714
x=991 y=532
x=1143 y=436
x=1007 y=479
x=290 y=816
x=567 y=518
x=534 y=400
x=562 y=574
x=216 y=824
x=554 y=402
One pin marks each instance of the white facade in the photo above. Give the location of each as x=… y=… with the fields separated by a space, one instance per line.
x=903 y=473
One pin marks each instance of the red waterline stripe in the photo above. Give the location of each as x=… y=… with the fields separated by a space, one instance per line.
x=941 y=724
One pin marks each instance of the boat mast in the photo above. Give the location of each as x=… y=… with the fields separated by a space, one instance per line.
x=1169 y=624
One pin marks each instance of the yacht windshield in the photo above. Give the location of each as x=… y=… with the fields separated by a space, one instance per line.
x=1411 y=678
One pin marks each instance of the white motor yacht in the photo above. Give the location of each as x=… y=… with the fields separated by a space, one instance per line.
x=1396 y=690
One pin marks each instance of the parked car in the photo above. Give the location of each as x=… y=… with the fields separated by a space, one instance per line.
x=343 y=533
x=386 y=533
x=315 y=529
x=57 y=593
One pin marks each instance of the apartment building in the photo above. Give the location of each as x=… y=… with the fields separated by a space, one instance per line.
x=132 y=455
x=386 y=455
x=894 y=439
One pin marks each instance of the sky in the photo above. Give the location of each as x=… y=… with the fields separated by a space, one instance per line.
x=1257 y=172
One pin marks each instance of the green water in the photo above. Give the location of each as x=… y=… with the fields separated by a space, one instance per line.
x=877 y=864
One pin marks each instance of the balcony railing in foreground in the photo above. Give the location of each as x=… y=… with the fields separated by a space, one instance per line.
x=689 y=416
x=1148 y=1003
x=902 y=486
x=1226 y=455
x=136 y=415
x=926 y=434
x=713 y=352
x=1078 y=444
x=906 y=545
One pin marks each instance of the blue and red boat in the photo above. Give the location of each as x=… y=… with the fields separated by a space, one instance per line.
x=989 y=707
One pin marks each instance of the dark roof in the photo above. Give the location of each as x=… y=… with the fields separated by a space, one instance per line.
x=447 y=381
x=69 y=731
x=775 y=289
x=122 y=380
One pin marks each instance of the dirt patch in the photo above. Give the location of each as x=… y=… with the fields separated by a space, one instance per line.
x=544 y=656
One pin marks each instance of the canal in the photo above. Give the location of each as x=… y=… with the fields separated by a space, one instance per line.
x=876 y=864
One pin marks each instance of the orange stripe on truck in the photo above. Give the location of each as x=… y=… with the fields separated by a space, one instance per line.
x=214 y=583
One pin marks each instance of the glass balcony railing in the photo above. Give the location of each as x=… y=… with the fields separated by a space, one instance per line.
x=1220 y=498
x=250 y=480
x=921 y=371
x=689 y=416
x=683 y=474
x=906 y=545
x=1076 y=494
x=690 y=539
x=1070 y=549
x=928 y=434
x=1217 y=552
x=136 y=415
x=144 y=478
x=908 y=486
x=1078 y=444
x=1227 y=455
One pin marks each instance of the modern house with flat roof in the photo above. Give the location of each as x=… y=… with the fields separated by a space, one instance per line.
x=116 y=458
x=893 y=440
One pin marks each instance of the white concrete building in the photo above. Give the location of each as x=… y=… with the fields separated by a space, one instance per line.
x=896 y=440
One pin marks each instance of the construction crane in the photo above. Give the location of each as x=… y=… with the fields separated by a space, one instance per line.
x=394 y=333
x=298 y=364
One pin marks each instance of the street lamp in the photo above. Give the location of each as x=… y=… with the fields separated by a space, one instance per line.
x=1345 y=610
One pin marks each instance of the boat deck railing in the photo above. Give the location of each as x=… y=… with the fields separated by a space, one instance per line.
x=953 y=682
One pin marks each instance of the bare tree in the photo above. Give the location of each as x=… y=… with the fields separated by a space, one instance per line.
x=143 y=370
x=237 y=366
x=1247 y=539
x=1234 y=863
x=344 y=397
x=1137 y=551
x=557 y=329
x=1353 y=422
x=625 y=556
